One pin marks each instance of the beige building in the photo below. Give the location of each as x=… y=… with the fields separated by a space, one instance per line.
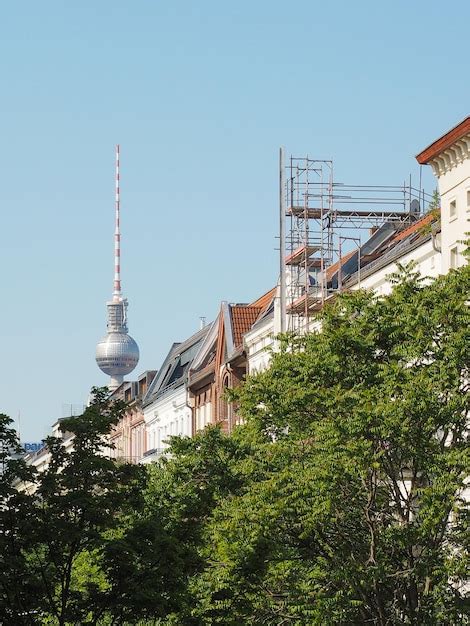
x=449 y=157
x=128 y=438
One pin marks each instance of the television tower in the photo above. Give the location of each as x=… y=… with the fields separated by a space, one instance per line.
x=117 y=353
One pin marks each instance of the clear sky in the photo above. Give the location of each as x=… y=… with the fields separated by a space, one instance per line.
x=200 y=95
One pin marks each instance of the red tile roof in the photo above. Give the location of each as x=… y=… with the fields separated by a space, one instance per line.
x=243 y=318
x=265 y=300
x=423 y=221
x=331 y=271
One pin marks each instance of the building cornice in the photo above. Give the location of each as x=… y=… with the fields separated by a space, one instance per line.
x=449 y=150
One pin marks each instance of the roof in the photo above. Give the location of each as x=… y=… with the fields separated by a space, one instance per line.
x=225 y=340
x=133 y=385
x=243 y=318
x=379 y=254
x=423 y=221
x=176 y=365
x=206 y=349
x=265 y=300
x=396 y=247
x=332 y=269
x=444 y=142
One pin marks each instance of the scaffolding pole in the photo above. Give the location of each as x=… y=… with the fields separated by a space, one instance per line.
x=282 y=244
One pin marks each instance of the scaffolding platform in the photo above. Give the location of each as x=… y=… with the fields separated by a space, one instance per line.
x=300 y=211
x=302 y=256
x=372 y=216
x=310 y=303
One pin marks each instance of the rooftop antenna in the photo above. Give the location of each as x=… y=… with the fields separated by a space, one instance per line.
x=117 y=296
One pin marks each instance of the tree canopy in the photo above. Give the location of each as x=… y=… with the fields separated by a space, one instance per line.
x=354 y=511
x=340 y=500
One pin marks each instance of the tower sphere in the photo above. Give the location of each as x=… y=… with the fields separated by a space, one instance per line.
x=117 y=354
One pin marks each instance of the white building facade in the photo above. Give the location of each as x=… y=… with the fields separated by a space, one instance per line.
x=167 y=415
x=449 y=157
x=166 y=404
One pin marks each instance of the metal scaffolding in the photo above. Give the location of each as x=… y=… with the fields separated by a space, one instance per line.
x=317 y=215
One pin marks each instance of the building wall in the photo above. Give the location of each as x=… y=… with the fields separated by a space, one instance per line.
x=209 y=401
x=203 y=407
x=426 y=260
x=454 y=189
x=257 y=341
x=138 y=445
x=128 y=437
x=119 y=440
x=167 y=415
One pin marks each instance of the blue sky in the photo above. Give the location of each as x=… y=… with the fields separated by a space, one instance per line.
x=200 y=96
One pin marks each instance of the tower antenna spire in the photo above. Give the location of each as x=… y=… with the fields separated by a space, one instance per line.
x=117 y=235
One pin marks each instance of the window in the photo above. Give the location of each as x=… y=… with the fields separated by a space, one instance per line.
x=452 y=210
x=468 y=199
x=454 y=258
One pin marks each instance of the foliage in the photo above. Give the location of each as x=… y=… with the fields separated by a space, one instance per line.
x=433 y=210
x=84 y=494
x=184 y=489
x=17 y=585
x=435 y=202
x=339 y=501
x=62 y=516
x=353 y=513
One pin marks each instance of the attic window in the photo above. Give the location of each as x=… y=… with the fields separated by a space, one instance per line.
x=452 y=210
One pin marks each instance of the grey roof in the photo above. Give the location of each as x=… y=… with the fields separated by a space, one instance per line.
x=175 y=367
x=207 y=346
x=377 y=240
x=389 y=255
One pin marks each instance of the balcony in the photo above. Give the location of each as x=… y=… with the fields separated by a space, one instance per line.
x=152 y=456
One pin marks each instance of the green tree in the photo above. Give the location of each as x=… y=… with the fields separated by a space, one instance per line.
x=435 y=203
x=352 y=507
x=81 y=498
x=340 y=501
x=18 y=587
x=154 y=567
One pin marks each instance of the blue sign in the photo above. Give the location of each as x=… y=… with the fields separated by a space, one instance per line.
x=33 y=447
